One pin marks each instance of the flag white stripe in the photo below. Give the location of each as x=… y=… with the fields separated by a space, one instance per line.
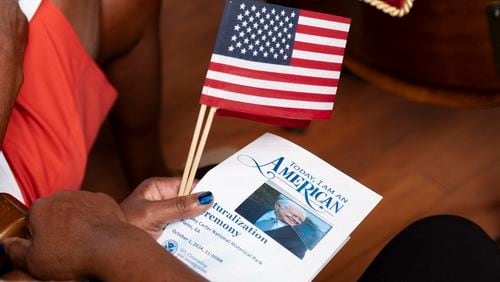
x=299 y=54
x=272 y=85
x=265 y=101
x=321 y=40
x=323 y=23
x=257 y=66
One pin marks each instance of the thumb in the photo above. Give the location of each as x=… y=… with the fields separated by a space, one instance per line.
x=17 y=250
x=177 y=208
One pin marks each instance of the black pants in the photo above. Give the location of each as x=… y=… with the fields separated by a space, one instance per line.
x=438 y=248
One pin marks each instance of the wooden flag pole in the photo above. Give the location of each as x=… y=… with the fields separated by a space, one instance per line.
x=199 y=150
x=192 y=148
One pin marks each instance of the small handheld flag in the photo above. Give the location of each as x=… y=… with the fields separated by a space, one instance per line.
x=274 y=61
x=270 y=64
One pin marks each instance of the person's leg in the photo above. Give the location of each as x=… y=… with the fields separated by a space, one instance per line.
x=437 y=248
x=122 y=35
x=129 y=53
x=84 y=18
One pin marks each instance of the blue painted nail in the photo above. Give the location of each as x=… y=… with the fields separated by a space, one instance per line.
x=205 y=198
x=2 y=249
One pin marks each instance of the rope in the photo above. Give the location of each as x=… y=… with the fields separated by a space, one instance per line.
x=389 y=9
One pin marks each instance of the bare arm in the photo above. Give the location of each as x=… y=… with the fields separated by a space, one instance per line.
x=137 y=257
x=79 y=235
x=13 y=37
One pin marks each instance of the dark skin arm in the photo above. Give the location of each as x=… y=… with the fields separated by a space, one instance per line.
x=82 y=235
x=13 y=38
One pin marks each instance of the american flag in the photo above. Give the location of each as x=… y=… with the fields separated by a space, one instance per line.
x=275 y=63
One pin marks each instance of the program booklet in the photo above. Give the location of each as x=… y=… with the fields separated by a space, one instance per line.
x=280 y=213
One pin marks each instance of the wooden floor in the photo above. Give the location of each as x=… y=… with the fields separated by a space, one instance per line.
x=423 y=160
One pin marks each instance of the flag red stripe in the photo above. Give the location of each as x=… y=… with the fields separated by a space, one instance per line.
x=326 y=17
x=298 y=45
x=283 y=122
x=265 y=110
x=318 y=31
x=264 y=75
x=278 y=94
x=296 y=62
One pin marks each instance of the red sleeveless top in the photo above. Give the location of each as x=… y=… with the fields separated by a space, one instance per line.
x=63 y=101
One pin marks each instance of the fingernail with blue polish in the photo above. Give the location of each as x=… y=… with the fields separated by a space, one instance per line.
x=2 y=249
x=205 y=198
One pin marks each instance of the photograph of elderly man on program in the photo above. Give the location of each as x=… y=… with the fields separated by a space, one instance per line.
x=285 y=221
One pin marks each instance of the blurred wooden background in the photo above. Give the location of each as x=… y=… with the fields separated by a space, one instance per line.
x=424 y=160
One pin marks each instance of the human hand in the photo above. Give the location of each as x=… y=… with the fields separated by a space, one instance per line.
x=154 y=203
x=70 y=231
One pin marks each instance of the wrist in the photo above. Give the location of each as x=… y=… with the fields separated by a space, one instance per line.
x=123 y=254
x=130 y=254
x=107 y=254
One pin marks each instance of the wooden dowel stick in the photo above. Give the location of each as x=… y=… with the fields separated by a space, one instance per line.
x=199 y=151
x=192 y=149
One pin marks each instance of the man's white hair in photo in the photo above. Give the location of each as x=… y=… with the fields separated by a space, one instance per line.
x=285 y=202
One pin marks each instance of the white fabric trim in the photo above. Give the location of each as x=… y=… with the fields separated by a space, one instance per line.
x=29 y=7
x=8 y=183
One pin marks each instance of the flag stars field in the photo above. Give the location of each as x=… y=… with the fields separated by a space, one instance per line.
x=274 y=26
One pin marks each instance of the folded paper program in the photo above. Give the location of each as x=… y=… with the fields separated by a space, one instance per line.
x=395 y=8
